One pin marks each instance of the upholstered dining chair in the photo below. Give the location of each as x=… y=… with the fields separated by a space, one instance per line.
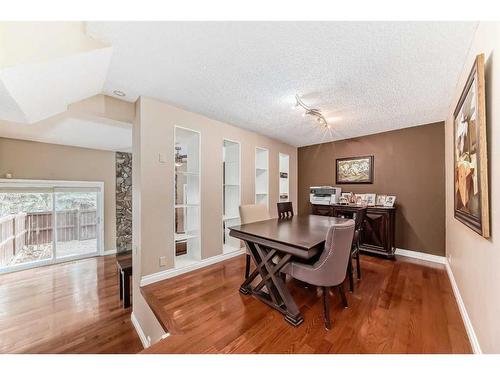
x=285 y=209
x=250 y=213
x=331 y=267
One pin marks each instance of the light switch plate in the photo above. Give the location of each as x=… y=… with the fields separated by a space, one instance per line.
x=163 y=261
x=162 y=157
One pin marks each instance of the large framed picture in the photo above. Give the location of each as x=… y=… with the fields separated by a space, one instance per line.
x=470 y=154
x=354 y=170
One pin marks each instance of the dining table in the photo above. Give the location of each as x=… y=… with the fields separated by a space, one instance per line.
x=272 y=244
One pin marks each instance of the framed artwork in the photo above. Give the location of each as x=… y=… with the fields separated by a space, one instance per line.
x=470 y=154
x=381 y=200
x=390 y=200
x=354 y=170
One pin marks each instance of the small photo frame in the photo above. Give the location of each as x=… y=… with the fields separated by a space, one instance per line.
x=390 y=200
x=283 y=175
x=360 y=199
x=344 y=201
x=370 y=199
x=381 y=200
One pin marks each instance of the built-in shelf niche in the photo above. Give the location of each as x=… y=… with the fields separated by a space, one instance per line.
x=231 y=193
x=261 y=176
x=187 y=197
x=284 y=175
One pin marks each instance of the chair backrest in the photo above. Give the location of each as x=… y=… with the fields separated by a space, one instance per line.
x=360 y=218
x=331 y=267
x=285 y=209
x=250 y=213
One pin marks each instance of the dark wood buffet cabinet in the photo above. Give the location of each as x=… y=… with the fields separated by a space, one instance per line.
x=379 y=228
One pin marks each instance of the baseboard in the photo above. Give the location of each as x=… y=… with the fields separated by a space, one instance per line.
x=108 y=252
x=167 y=274
x=140 y=332
x=422 y=256
x=463 y=312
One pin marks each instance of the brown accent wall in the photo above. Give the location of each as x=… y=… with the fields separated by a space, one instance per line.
x=409 y=163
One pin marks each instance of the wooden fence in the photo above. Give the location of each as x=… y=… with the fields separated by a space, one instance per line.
x=35 y=228
x=12 y=236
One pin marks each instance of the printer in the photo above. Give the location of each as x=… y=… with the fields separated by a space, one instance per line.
x=324 y=195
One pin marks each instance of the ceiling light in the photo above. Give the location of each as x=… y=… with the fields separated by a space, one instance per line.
x=311 y=112
x=118 y=93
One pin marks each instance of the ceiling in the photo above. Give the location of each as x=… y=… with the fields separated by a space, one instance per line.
x=366 y=77
x=78 y=131
x=44 y=67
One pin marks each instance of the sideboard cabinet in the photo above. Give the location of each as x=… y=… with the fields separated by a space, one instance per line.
x=379 y=229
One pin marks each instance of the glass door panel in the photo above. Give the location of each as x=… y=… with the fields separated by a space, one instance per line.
x=77 y=222
x=25 y=227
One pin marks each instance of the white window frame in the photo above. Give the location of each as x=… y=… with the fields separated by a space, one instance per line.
x=55 y=184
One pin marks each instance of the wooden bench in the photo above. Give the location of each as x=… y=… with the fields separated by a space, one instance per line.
x=124 y=273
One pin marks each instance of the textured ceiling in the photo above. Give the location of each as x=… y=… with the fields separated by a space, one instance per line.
x=367 y=77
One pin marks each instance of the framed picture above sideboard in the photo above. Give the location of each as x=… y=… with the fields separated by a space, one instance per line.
x=354 y=170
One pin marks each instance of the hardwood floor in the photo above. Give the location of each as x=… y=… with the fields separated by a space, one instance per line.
x=402 y=306
x=66 y=308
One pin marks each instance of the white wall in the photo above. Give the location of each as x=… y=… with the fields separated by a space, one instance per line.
x=474 y=260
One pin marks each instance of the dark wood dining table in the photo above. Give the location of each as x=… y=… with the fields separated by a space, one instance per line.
x=272 y=244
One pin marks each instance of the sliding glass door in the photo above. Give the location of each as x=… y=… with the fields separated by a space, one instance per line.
x=77 y=222
x=43 y=222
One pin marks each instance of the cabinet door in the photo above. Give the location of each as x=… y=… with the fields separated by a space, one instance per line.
x=375 y=234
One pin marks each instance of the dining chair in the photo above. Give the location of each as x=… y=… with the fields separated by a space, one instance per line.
x=359 y=219
x=331 y=267
x=285 y=209
x=250 y=213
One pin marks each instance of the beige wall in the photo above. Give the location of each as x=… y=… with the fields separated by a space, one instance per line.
x=154 y=134
x=141 y=310
x=44 y=161
x=153 y=188
x=408 y=163
x=474 y=260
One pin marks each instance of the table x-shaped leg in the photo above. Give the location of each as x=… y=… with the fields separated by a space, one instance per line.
x=278 y=295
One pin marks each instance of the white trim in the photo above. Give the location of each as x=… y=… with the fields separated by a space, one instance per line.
x=422 y=256
x=474 y=342
x=109 y=252
x=145 y=342
x=172 y=272
x=13 y=182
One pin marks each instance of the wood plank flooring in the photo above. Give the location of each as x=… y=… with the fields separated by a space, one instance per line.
x=402 y=306
x=65 y=308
